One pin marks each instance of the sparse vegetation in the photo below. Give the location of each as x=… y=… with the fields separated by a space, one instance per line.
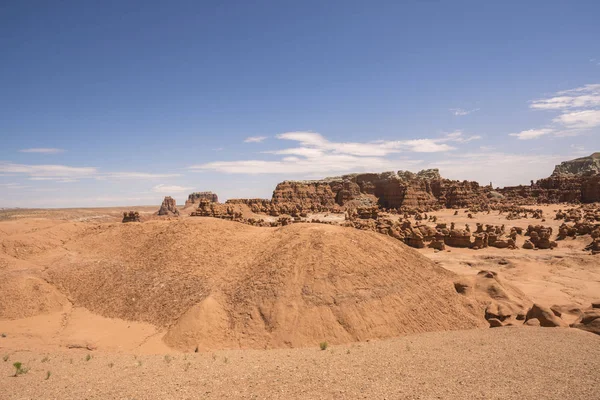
x=48 y=373
x=226 y=360
x=3 y=335
x=88 y=357
x=214 y=356
x=45 y=359
x=168 y=359
x=323 y=345
x=139 y=363
x=6 y=357
x=187 y=366
x=19 y=369
x=110 y=365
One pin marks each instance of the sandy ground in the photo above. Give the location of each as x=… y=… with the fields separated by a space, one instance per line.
x=129 y=359
x=506 y=363
x=564 y=275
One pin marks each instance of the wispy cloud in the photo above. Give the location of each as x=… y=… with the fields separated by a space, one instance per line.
x=581 y=97
x=47 y=170
x=136 y=175
x=316 y=154
x=579 y=119
x=43 y=150
x=54 y=179
x=532 y=134
x=459 y=112
x=12 y=186
x=579 y=108
x=166 y=189
x=255 y=139
x=65 y=173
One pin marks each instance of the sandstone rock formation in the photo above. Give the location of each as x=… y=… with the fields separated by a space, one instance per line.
x=545 y=316
x=168 y=207
x=575 y=181
x=389 y=190
x=194 y=198
x=579 y=166
x=589 y=320
x=131 y=216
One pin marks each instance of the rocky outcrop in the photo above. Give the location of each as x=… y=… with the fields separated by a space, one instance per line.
x=545 y=316
x=389 y=190
x=131 y=216
x=168 y=207
x=575 y=181
x=194 y=198
x=579 y=166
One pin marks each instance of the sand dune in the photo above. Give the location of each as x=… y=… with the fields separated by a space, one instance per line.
x=219 y=284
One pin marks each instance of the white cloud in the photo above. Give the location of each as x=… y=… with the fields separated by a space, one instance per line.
x=53 y=179
x=317 y=155
x=65 y=173
x=580 y=108
x=43 y=150
x=459 y=112
x=166 y=189
x=254 y=139
x=585 y=119
x=532 y=133
x=136 y=175
x=581 y=97
x=47 y=170
x=12 y=186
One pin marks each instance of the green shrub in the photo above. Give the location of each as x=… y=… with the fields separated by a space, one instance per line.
x=19 y=369
x=323 y=345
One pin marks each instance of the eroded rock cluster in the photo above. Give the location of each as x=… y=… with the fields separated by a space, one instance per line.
x=131 y=216
x=196 y=197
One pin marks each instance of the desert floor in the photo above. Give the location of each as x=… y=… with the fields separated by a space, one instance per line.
x=129 y=360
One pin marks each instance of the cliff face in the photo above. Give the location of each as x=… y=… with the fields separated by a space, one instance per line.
x=579 y=166
x=575 y=181
x=388 y=190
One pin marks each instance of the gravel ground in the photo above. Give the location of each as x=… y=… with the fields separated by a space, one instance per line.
x=505 y=363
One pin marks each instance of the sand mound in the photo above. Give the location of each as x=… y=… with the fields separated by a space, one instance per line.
x=26 y=296
x=219 y=284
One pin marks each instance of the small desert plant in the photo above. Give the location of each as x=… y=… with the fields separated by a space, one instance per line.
x=187 y=366
x=45 y=359
x=3 y=335
x=323 y=345
x=19 y=370
x=110 y=365
x=6 y=357
x=48 y=375
x=225 y=360
x=214 y=356
x=168 y=359
x=139 y=363
x=348 y=351
x=88 y=357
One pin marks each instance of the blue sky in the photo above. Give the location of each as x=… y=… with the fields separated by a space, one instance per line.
x=121 y=103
